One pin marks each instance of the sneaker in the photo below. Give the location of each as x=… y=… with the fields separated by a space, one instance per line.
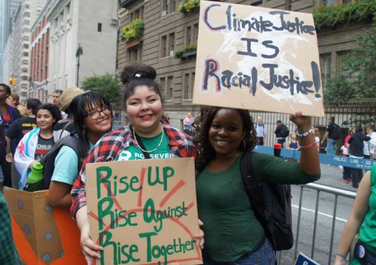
x=346 y=181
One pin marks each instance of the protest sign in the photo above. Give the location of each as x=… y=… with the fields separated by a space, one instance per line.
x=144 y=211
x=43 y=234
x=304 y=260
x=257 y=58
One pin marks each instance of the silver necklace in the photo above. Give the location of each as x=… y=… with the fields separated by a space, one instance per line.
x=146 y=151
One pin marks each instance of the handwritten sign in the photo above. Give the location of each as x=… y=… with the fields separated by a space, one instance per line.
x=144 y=211
x=258 y=59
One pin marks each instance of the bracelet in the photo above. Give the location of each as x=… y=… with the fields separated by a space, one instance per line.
x=308 y=146
x=304 y=134
x=342 y=256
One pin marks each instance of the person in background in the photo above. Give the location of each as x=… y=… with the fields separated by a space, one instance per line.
x=56 y=99
x=317 y=138
x=36 y=143
x=14 y=100
x=293 y=142
x=188 y=121
x=369 y=147
x=65 y=126
x=279 y=132
x=346 y=176
x=8 y=254
x=145 y=137
x=8 y=115
x=359 y=230
x=233 y=235
x=356 y=142
x=260 y=131
x=92 y=119
x=328 y=135
x=17 y=130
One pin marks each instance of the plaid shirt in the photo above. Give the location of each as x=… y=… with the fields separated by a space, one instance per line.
x=8 y=251
x=109 y=147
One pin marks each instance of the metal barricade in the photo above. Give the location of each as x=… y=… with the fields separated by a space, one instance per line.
x=288 y=257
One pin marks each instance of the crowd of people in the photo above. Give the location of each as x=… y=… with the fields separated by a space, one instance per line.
x=216 y=138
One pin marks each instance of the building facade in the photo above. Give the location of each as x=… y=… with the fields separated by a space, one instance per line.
x=7 y=8
x=168 y=31
x=16 y=59
x=83 y=36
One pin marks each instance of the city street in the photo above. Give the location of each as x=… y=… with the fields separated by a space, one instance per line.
x=331 y=176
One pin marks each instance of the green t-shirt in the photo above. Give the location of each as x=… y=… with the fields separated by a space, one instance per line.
x=367 y=231
x=230 y=227
x=134 y=152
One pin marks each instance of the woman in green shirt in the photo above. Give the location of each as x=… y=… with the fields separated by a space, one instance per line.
x=233 y=235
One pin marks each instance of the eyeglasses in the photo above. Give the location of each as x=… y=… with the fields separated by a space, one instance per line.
x=96 y=114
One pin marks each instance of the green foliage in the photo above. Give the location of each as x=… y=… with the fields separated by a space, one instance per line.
x=107 y=85
x=357 y=79
x=133 y=30
x=332 y=15
x=188 y=48
x=188 y=5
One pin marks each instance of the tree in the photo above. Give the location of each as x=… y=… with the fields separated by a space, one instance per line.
x=107 y=85
x=356 y=79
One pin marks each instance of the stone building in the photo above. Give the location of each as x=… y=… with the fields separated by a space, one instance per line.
x=83 y=36
x=167 y=31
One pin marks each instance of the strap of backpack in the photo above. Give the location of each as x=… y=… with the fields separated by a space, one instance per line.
x=252 y=188
x=74 y=143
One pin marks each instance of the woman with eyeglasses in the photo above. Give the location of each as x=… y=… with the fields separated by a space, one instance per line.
x=92 y=115
x=147 y=136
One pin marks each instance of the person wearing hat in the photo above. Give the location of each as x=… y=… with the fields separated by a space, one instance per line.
x=281 y=132
x=65 y=126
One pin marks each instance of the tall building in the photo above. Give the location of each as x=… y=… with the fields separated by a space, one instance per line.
x=167 y=32
x=16 y=58
x=83 y=36
x=7 y=8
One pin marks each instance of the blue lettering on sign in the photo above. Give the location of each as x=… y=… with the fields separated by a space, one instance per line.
x=352 y=162
x=304 y=260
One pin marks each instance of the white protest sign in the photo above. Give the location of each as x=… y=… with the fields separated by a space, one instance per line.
x=258 y=59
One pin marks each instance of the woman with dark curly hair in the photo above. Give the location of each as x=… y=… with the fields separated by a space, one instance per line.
x=37 y=142
x=233 y=235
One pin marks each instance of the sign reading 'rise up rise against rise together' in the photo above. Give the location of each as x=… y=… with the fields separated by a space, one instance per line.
x=258 y=59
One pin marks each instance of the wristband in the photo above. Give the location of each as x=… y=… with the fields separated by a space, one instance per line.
x=304 y=134
x=308 y=146
x=342 y=256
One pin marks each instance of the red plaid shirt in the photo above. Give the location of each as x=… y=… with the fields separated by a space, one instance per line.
x=109 y=147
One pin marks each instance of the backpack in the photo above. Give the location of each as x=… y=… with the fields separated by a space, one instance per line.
x=284 y=131
x=48 y=160
x=271 y=204
x=336 y=132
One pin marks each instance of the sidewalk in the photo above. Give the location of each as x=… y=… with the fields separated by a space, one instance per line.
x=332 y=176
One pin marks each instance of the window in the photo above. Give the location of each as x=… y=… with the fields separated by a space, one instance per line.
x=138 y=13
x=171 y=43
x=25 y=46
x=167 y=85
x=24 y=78
x=24 y=86
x=26 y=38
x=27 y=14
x=25 y=54
x=338 y=2
x=170 y=88
x=26 y=22
x=188 y=84
x=168 y=7
x=99 y=28
x=256 y=3
x=167 y=45
x=24 y=70
x=164 y=46
x=27 y=6
x=39 y=8
x=325 y=64
x=26 y=30
x=191 y=34
x=25 y=62
x=135 y=54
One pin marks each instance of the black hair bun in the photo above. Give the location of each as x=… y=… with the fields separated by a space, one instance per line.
x=137 y=71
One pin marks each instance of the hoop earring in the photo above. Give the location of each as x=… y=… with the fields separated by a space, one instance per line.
x=244 y=145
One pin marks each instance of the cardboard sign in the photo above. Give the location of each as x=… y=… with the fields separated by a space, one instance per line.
x=144 y=211
x=43 y=234
x=304 y=260
x=257 y=59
